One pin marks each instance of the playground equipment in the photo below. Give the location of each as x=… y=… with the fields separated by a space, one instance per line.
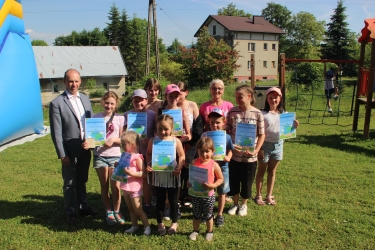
x=282 y=79
x=21 y=106
x=365 y=85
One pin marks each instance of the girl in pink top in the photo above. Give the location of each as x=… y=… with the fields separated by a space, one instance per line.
x=132 y=190
x=203 y=207
x=217 y=92
x=106 y=156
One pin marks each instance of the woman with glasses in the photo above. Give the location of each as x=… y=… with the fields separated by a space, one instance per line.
x=217 y=91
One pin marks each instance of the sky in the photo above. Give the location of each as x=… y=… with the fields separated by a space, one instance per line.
x=48 y=19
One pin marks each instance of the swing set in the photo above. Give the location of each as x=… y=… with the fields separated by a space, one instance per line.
x=283 y=63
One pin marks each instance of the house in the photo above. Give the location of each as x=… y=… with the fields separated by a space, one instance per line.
x=103 y=63
x=248 y=36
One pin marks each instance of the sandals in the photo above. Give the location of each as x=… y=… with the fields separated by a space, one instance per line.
x=173 y=229
x=161 y=229
x=270 y=200
x=259 y=200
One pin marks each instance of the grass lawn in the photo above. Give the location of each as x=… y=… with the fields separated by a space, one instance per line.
x=324 y=189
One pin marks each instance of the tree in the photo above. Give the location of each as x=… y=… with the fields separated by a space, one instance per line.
x=281 y=17
x=173 y=49
x=305 y=36
x=39 y=43
x=112 y=31
x=231 y=10
x=94 y=37
x=210 y=59
x=337 y=42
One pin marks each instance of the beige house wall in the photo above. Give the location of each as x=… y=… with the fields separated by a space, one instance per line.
x=116 y=84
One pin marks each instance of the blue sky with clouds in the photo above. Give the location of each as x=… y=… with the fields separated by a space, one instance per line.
x=47 y=19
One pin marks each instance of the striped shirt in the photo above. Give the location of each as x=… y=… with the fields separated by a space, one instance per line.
x=236 y=115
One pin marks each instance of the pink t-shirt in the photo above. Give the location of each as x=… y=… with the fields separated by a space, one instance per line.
x=207 y=107
x=210 y=168
x=134 y=183
x=118 y=122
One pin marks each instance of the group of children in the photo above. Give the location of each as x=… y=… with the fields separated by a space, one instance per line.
x=234 y=176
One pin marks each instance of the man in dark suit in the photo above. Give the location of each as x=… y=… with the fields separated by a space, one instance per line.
x=67 y=114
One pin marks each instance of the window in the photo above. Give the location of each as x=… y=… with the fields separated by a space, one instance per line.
x=55 y=88
x=264 y=64
x=265 y=46
x=248 y=64
x=105 y=85
x=273 y=64
x=251 y=47
x=214 y=30
x=274 y=46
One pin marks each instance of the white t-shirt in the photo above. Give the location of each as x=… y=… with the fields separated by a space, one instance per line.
x=271 y=126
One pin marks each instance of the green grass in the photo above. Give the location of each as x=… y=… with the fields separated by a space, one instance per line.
x=324 y=189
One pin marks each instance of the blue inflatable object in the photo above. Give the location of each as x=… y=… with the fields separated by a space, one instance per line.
x=21 y=105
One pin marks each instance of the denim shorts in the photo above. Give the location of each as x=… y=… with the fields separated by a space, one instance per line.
x=272 y=150
x=104 y=161
x=224 y=187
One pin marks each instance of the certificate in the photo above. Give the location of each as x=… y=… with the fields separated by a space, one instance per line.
x=287 y=130
x=137 y=122
x=177 y=120
x=118 y=173
x=163 y=155
x=198 y=176
x=245 y=136
x=95 y=131
x=220 y=143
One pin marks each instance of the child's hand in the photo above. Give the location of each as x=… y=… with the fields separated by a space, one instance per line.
x=108 y=142
x=249 y=153
x=295 y=123
x=149 y=169
x=177 y=172
x=145 y=141
x=237 y=148
x=226 y=158
x=261 y=155
x=116 y=163
x=85 y=145
x=208 y=186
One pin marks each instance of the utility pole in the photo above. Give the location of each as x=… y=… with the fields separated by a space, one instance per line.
x=152 y=12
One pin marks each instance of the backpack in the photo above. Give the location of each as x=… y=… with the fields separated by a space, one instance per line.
x=330 y=74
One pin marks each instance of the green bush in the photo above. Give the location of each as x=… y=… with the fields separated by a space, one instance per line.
x=97 y=93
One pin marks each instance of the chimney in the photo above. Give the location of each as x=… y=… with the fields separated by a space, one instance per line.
x=258 y=20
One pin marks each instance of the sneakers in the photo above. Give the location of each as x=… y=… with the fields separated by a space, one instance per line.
x=147 y=231
x=167 y=214
x=119 y=218
x=219 y=221
x=193 y=235
x=110 y=218
x=242 y=210
x=209 y=236
x=132 y=230
x=233 y=210
x=335 y=97
x=330 y=110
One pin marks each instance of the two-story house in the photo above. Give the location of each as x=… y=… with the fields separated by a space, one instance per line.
x=248 y=36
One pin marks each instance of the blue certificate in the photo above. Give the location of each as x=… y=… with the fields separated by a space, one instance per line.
x=177 y=120
x=198 y=176
x=287 y=130
x=118 y=173
x=137 y=122
x=95 y=131
x=220 y=143
x=163 y=156
x=246 y=134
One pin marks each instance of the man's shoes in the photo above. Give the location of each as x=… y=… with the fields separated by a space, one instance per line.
x=71 y=219
x=87 y=212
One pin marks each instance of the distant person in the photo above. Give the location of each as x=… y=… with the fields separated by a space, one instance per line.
x=217 y=92
x=67 y=114
x=106 y=156
x=203 y=207
x=329 y=87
